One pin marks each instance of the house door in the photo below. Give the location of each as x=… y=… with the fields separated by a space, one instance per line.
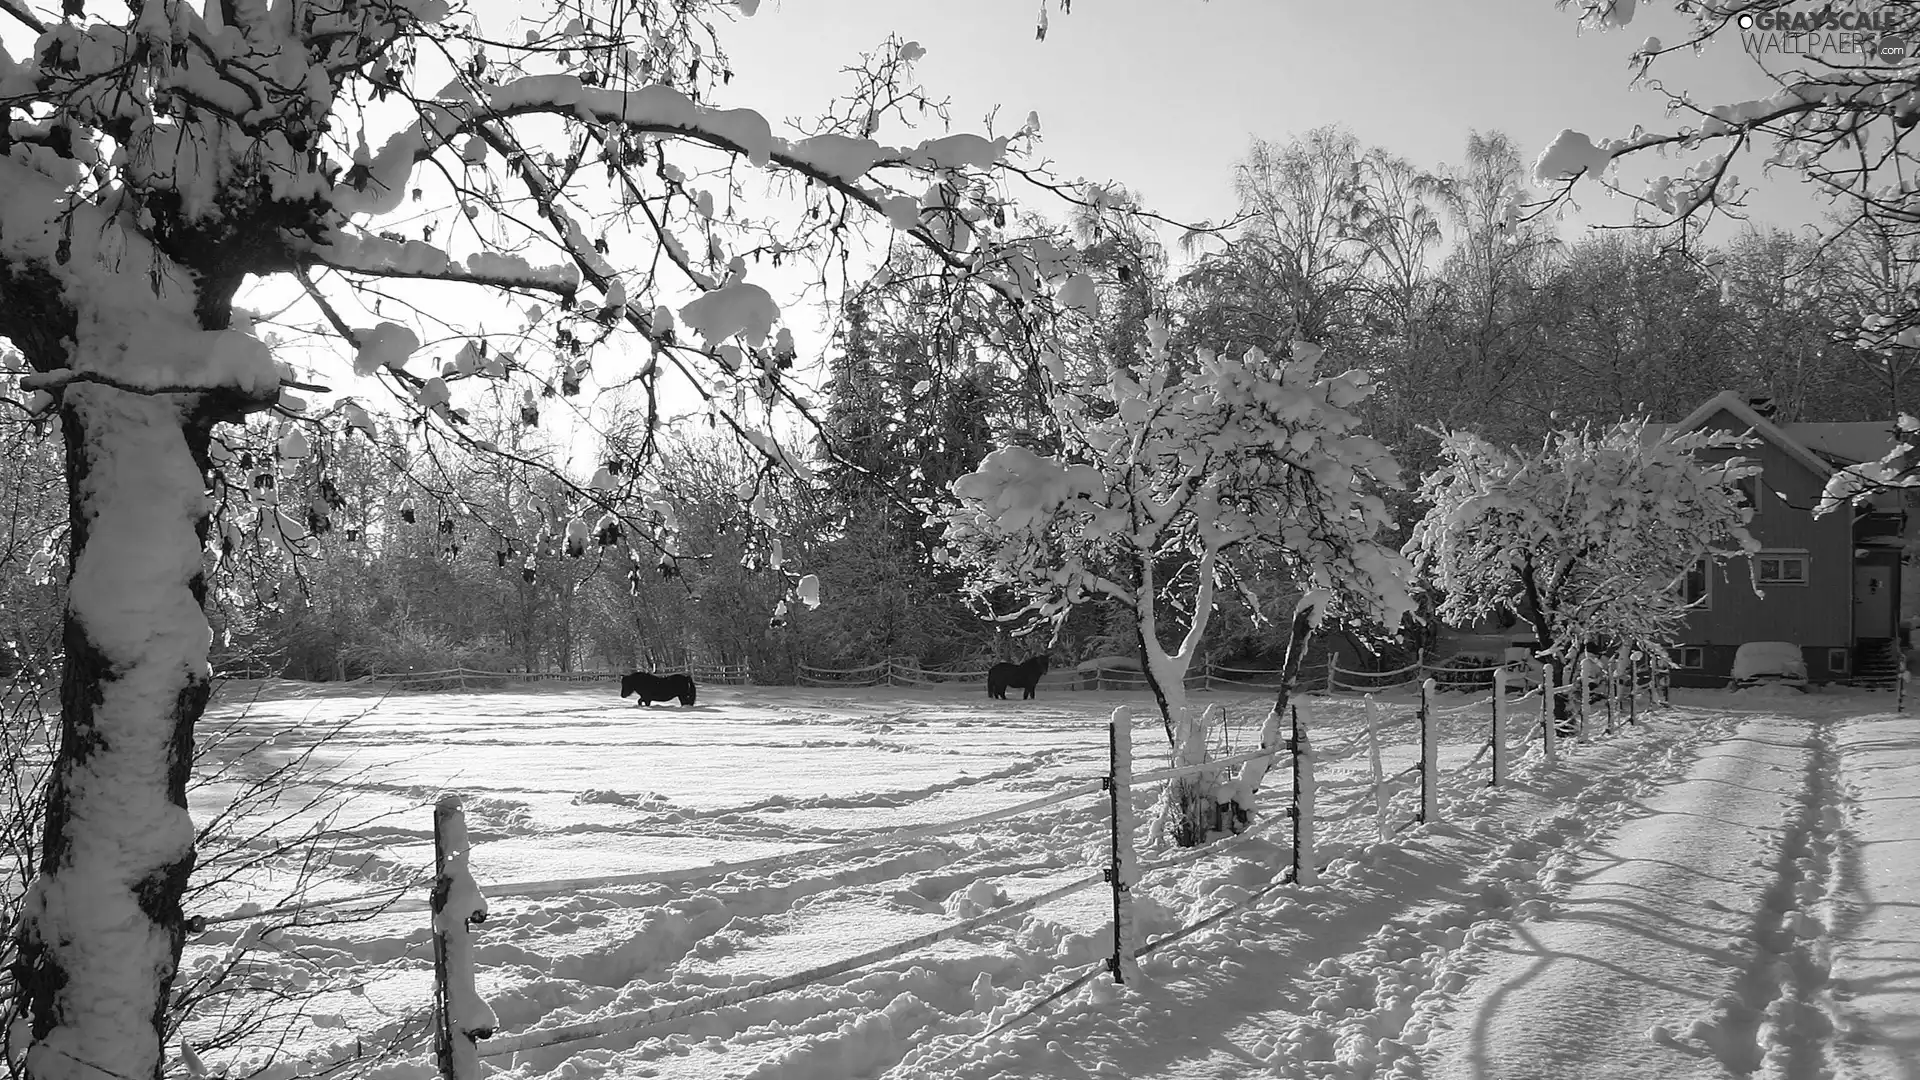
x=1873 y=602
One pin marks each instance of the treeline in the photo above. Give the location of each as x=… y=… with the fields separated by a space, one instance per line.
x=356 y=547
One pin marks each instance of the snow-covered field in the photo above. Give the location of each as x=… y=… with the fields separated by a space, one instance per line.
x=1696 y=895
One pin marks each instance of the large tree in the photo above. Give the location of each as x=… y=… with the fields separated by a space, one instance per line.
x=1167 y=490
x=1586 y=537
x=157 y=159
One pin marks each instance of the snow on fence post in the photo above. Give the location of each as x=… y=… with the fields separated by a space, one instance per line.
x=1420 y=664
x=1429 y=756
x=1900 y=693
x=1304 y=872
x=1633 y=687
x=1376 y=768
x=1549 y=724
x=1499 y=744
x=1122 y=871
x=1613 y=687
x=1580 y=697
x=461 y=1017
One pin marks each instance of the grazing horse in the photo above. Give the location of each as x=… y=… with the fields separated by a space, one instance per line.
x=652 y=688
x=1025 y=675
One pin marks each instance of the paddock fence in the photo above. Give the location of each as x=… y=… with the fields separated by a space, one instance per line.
x=1379 y=778
x=475 y=679
x=1323 y=676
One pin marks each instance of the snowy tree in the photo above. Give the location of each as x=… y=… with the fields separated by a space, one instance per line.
x=1170 y=489
x=158 y=157
x=1588 y=537
x=1844 y=110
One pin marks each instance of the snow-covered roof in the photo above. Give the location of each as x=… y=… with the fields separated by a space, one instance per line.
x=1849 y=443
x=1734 y=404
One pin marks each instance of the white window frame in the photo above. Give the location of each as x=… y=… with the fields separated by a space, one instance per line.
x=1684 y=653
x=1845 y=666
x=1753 y=497
x=1783 y=556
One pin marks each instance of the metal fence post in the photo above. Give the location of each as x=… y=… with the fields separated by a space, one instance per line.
x=1121 y=871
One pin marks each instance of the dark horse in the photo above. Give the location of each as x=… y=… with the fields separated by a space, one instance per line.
x=652 y=688
x=1025 y=675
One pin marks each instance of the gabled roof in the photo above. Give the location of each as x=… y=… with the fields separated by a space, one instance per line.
x=1732 y=403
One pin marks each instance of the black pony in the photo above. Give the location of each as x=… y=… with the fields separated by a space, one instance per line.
x=1025 y=675
x=652 y=688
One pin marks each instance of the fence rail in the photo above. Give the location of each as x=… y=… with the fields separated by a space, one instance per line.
x=1324 y=677
x=470 y=678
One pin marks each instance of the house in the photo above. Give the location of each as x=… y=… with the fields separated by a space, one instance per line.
x=1833 y=585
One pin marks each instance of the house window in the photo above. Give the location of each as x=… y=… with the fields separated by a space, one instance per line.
x=1696 y=587
x=1749 y=487
x=1837 y=661
x=1780 y=568
x=1689 y=657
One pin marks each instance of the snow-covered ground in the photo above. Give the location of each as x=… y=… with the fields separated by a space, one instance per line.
x=1729 y=887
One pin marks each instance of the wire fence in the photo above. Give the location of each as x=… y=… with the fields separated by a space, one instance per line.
x=1325 y=676
x=1380 y=777
x=476 y=679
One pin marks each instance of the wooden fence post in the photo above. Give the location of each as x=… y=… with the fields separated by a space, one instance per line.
x=1429 y=757
x=1304 y=872
x=461 y=1017
x=1580 y=697
x=1331 y=672
x=1613 y=687
x=1376 y=770
x=1499 y=750
x=1633 y=687
x=1549 y=723
x=1121 y=872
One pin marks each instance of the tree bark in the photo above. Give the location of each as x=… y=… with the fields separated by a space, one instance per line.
x=1553 y=667
x=102 y=928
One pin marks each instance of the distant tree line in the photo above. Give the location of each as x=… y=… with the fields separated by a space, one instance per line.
x=412 y=555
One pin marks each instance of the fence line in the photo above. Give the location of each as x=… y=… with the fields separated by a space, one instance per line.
x=458 y=904
x=461 y=677
x=1325 y=677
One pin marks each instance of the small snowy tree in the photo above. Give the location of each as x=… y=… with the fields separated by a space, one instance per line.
x=1170 y=489
x=1587 y=538
x=157 y=156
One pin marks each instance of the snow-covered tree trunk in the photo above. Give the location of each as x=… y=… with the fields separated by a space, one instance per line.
x=1240 y=815
x=1188 y=804
x=102 y=927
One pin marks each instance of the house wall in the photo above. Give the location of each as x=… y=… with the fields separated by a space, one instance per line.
x=1816 y=616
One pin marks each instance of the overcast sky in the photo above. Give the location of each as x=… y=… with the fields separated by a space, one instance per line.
x=1163 y=95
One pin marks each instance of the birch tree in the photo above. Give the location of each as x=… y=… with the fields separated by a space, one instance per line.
x=1173 y=489
x=1587 y=537
x=566 y=177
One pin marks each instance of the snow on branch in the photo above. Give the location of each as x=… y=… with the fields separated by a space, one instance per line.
x=1588 y=537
